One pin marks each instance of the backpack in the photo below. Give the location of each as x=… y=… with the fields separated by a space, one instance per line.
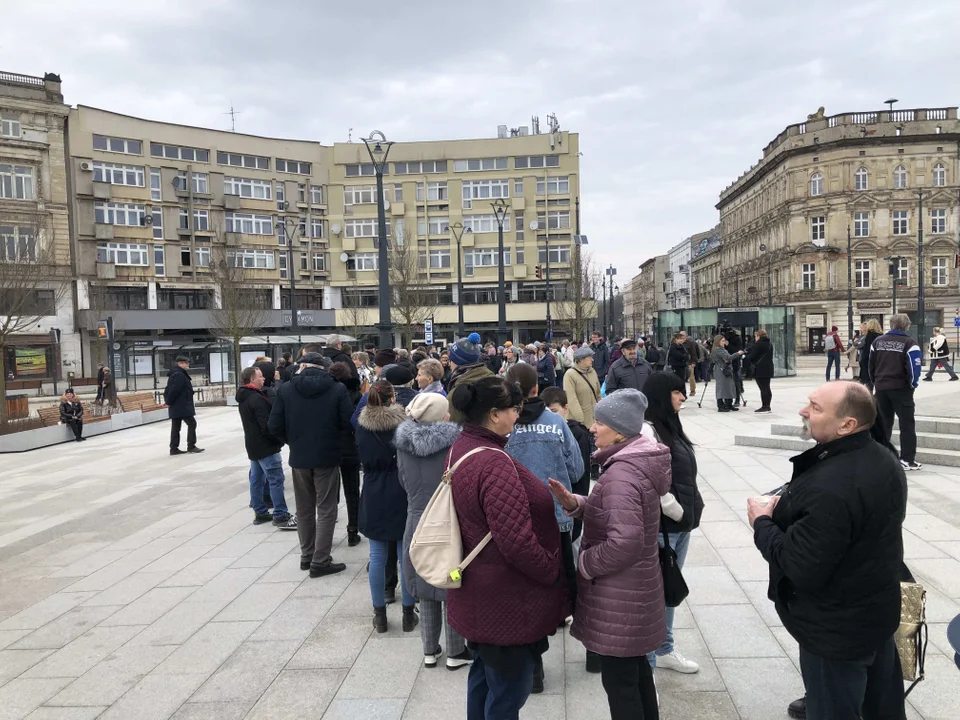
x=830 y=342
x=436 y=548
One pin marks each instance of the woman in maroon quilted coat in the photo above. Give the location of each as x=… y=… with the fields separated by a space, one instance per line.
x=514 y=594
x=620 y=608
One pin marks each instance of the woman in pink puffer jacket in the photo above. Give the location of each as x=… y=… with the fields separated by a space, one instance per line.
x=620 y=612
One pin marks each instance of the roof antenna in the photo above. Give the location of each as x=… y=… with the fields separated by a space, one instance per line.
x=233 y=117
x=350 y=135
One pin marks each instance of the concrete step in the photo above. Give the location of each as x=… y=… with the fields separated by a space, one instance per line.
x=930 y=434
x=926 y=454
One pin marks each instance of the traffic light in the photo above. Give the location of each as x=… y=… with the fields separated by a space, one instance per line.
x=102 y=330
x=539 y=272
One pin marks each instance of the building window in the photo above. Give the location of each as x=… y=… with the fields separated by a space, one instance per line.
x=554 y=220
x=362 y=261
x=486 y=257
x=477 y=164
x=198 y=180
x=117 y=145
x=123 y=254
x=248 y=223
x=818 y=229
x=362 y=170
x=18 y=244
x=939 y=175
x=436 y=191
x=247 y=187
x=554 y=186
x=282 y=262
x=938 y=220
x=484 y=223
x=253 y=259
x=255 y=162
x=900 y=177
x=281 y=232
x=115 y=174
x=809 y=276
x=156 y=193
x=862 y=179
x=900 y=223
x=940 y=271
x=484 y=190
x=316 y=194
x=419 y=168
x=320 y=262
x=9 y=125
x=316 y=228
x=901 y=270
x=359 y=194
x=536 y=161
x=157 y=214
x=363 y=227
x=861 y=224
x=439 y=259
x=201 y=220
x=518 y=187
x=176 y=152
x=433 y=226
x=106 y=213
x=861 y=274
x=398 y=192
x=294 y=166
x=159 y=261
x=518 y=224
x=301 y=193
x=558 y=254
x=816 y=184
x=16 y=182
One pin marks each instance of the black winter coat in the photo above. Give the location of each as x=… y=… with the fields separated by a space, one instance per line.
x=761 y=357
x=254 y=407
x=677 y=356
x=309 y=414
x=835 y=547
x=601 y=358
x=70 y=411
x=178 y=394
x=348 y=437
x=582 y=435
x=683 y=467
x=383 y=501
x=865 y=349
x=340 y=356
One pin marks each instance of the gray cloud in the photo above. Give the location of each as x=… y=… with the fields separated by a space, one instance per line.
x=672 y=101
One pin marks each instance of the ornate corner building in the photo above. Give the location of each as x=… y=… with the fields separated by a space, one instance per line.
x=784 y=223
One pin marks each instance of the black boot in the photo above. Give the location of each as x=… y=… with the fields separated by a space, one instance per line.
x=380 y=619
x=537 y=676
x=798 y=708
x=731 y=407
x=410 y=619
x=353 y=538
x=593 y=663
x=722 y=406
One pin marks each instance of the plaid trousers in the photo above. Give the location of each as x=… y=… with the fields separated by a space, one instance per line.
x=432 y=620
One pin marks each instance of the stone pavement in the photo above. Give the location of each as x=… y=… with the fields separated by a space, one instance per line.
x=132 y=585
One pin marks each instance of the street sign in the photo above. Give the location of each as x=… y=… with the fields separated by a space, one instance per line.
x=428 y=331
x=956 y=322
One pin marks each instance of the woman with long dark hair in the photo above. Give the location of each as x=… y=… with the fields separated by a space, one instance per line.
x=664 y=393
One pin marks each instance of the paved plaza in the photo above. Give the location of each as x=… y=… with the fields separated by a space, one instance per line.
x=133 y=585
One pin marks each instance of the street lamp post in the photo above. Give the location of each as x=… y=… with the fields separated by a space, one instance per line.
x=765 y=249
x=921 y=300
x=611 y=271
x=457 y=231
x=849 y=286
x=292 y=226
x=500 y=211
x=603 y=303
x=894 y=270
x=378 y=147
x=578 y=286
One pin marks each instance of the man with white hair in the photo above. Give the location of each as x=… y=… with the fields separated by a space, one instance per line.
x=334 y=351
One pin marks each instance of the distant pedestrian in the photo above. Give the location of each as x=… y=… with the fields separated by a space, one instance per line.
x=761 y=358
x=601 y=359
x=940 y=355
x=582 y=387
x=100 y=373
x=693 y=357
x=873 y=330
x=178 y=396
x=834 y=346
x=546 y=368
x=71 y=413
x=465 y=367
x=895 y=368
x=725 y=383
x=629 y=371
x=678 y=358
x=429 y=373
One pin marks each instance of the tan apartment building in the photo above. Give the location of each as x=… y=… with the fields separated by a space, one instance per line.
x=34 y=232
x=154 y=202
x=652 y=287
x=705 y=269
x=784 y=223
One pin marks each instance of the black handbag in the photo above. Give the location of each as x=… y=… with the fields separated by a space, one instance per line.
x=675 y=588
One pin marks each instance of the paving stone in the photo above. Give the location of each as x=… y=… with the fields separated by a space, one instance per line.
x=227 y=586
x=257 y=602
x=128 y=589
x=690 y=644
x=369 y=710
x=18 y=698
x=69 y=626
x=15 y=662
x=701 y=553
x=47 y=610
x=736 y=631
x=936 y=697
x=687 y=705
x=9 y=637
x=207 y=649
x=109 y=679
x=931 y=529
x=746 y=564
x=111 y=574
x=335 y=643
x=294 y=619
x=198 y=572
x=543 y=707
x=78 y=656
x=437 y=693
x=65 y=713
x=943 y=574
x=211 y=711
x=585 y=698
x=712 y=586
x=156 y=697
x=757 y=592
x=88 y=565
x=179 y=624
x=728 y=534
x=287 y=569
x=294 y=690
x=370 y=678
x=247 y=673
x=150 y=606
x=332 y=585
x=236 y=547
x=355 y=600
x=761 y=688
x=177 y=559
x=267 y=555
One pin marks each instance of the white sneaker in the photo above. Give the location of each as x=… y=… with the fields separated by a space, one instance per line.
x=676 y=661
x=911 y=465
x=430 y=661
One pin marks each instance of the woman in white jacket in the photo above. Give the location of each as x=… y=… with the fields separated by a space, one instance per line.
x=939 y=355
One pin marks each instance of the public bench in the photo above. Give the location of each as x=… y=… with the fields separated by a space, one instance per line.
x=50 y=416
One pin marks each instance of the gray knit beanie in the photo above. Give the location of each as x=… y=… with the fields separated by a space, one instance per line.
x=623 y=411
x=582 y=352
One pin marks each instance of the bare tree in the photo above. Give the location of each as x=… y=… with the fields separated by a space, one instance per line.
x=240 y=310
x=414 y=299
x=354 y=312
x=33 y=282
x=579 y=305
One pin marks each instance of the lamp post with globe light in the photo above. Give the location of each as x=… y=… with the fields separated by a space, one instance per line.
x=378 y=147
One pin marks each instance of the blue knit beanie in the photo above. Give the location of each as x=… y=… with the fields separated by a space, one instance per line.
x=466 y=351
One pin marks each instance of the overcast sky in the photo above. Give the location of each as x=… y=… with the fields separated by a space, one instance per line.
x=672 y=100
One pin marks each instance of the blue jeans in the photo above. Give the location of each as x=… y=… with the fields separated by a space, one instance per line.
x=491 y=696
x=680 y=542
x=377 y=573
x=833 y=356
x=269 y=472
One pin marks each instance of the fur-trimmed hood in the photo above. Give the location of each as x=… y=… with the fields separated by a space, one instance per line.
x=381 y=419
x=425 y=439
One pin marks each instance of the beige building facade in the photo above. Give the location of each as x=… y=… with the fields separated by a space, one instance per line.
x=153 y=202
x=784 y=223
x=651 y=285
x=34 y=229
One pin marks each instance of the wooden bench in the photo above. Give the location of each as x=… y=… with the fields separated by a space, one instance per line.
x=83 y=382
x=50 y=416
x=25 y=385
x=145 y=402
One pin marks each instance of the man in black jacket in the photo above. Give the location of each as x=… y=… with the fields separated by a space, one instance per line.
x=678 y=358
x=334 y=351
x=309 y=414
x=178 y=396
x=601 y=355
x=263 y=449
x=834 y=545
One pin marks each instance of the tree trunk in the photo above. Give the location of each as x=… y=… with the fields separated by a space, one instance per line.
x=3 y=384
x=236 y=362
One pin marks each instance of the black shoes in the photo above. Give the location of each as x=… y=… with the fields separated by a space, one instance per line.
x=390 y=596
x=798 y=708
x=763 y=410
x=331 y=568
x=304 y=565
x=593 y=663
x=455 y=662
x=380 y=619
x=285 y=522
x=262 y=518
x=537 y=676
x=177 y=451
x=194 y=449
x=353 y=538
x=410 y=619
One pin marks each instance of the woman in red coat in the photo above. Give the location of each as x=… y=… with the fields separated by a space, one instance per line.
x=514 y=594
x=620 y=605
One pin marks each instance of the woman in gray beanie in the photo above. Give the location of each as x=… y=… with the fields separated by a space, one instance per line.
x=620 y=613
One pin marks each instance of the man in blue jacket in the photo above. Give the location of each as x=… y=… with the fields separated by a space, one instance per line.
x=543 y=443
